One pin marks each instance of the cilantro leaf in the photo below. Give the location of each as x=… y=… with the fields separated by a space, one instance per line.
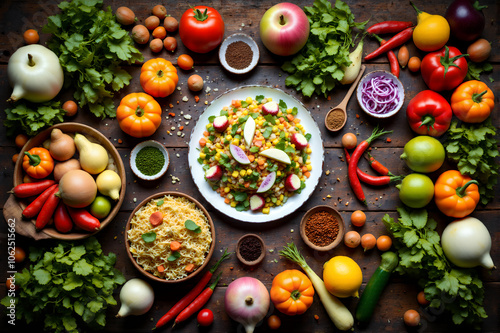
x=32 y=118
x=174 y=256
x=191 y=225
x=149 y=237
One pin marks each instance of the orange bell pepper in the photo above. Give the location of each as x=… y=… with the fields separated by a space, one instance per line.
x=38 y=163
x=139 y=115
x=292 y=292
x=158 y=77
x=472 y=101
x=456 y=195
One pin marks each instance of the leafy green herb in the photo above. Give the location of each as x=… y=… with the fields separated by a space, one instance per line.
x=240 y=196
x=290 y=149
x=295 y=111
x=149 y=237
x=282 y=106
x=270 y=119
x=174 y=256
x=192 y=226
x=474 y=148
x=267 y=132
x=254 y=149
x=241 y=120
x=91 y=46
x=67 y=285
x=234 y=129
x=317 y=68
x=458 y=290
x=244 y=104
x=160 y=202
x=308 y=136
x=211 y=119
x=475 y=70
x=223 y=113
x=259 y=98
x=32 y=118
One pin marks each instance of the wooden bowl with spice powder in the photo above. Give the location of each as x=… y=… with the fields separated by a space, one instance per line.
x=250 y=249
x=322 y=228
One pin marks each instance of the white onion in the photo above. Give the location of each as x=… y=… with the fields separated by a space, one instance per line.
x=247 y=302
x=137 y=298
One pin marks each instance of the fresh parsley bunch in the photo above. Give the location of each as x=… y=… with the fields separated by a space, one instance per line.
x=474 y=148
x=317 y=68
x=67 y=284
x=31 y=118
x=91 y=46
x=458 y=290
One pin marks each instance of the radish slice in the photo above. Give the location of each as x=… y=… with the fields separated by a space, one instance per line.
x=214 y=173
x=271 y=108
x=299 y=141
x=256 y=202
x=249 y=131
x=267 y=183
x=292 y=183
x=220 y=123
x=276 y=154
x=238 y=154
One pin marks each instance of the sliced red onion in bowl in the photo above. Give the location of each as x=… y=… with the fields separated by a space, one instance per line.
x=380 y=95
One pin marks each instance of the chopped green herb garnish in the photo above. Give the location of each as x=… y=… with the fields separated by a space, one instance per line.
x=192 y=226
x=149 y=237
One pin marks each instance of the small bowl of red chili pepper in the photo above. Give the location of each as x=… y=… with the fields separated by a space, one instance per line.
x=322 y=228
x=250 y=249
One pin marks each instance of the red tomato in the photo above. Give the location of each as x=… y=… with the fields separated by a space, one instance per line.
x=205 y=317
x=201 y=29
x=444 y=69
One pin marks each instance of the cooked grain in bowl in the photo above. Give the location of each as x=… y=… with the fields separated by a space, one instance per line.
x=156 y=257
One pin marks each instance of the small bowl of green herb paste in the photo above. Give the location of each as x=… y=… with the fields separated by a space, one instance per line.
x=149 y=160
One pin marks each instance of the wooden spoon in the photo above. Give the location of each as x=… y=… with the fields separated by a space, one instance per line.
x=342 y=107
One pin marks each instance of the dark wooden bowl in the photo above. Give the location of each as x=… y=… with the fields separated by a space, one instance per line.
x=340 y=234
x=256 y=261
x=199 y=206
x=37 y=141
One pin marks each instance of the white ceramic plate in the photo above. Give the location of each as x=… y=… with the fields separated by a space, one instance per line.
x=317 y=156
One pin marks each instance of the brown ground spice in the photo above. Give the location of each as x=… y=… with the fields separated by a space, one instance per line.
x=239 y=55
x=335 y=119
x=321 y=228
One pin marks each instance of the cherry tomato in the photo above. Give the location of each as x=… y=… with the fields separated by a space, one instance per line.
x=201 y=29
x=274 y=322
x=384 y=243
x=205 y=317
x=185 y=62
x=421 y=299
x=21 y=139
x=70 y=107
x=368 y=241
x=411 y=318
x=10 y=285
x=19 y=255
x=31 y=36
x=358 y=218
x=15 y=157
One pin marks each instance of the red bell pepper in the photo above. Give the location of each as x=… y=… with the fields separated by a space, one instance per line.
x=444 y=69
x=429 y=113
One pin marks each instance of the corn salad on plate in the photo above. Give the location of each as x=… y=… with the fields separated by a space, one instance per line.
x=256 y=154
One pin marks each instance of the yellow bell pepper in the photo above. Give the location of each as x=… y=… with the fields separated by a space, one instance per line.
x=432 y=31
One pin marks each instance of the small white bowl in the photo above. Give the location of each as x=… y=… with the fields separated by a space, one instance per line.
x=235 y=38
x=149 y=143
x=394 y=79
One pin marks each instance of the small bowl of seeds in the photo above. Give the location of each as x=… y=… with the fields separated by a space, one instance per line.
x=239 y=53
x=322 y=228
x=250 y=249
x=149 y=160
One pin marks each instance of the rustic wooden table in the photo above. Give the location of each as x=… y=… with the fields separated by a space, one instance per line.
x=333 y=188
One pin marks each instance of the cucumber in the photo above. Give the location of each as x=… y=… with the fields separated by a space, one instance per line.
x=375 y=287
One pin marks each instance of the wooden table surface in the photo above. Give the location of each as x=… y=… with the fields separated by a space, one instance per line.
x=333 y=188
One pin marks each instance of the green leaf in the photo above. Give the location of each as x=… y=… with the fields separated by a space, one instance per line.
x=254 y=149
x=160 y=202
x=174 y=256
x=192 y=226
x=69 y=323
x=410 y=238
x=259 y=98
x=42 y=276
x=419 y=218
x=81 y=267
x=240 y=196
x=95 y=305
x=77 y=252
x=149 y=237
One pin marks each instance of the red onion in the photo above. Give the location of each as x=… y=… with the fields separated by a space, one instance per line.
x=247 y=302
x=380 y=95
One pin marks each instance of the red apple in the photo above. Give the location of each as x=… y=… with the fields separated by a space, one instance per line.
x=284 y=29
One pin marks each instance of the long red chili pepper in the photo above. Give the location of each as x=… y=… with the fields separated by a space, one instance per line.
x=83 y=219
x=377 y=166
x=47 y=210
x=26 y=190
x=353 y=163
x=34 y=208
x=186 y=300
x=389 y=27
x=393 y=60
x=373 y=180
x=395 y=41
x=62 y=220
x=198 y=303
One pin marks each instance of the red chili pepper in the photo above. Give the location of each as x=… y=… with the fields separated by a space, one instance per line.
x=198 y=303
x=353 y=163
x=62 y=220
x=377 y=166
x=393 y=60
x=389 y=27
x=373 y=180
x=83 y=219
x=47 y=210
x=30 y=189
x=34 y=208
x=395 y=41
x=186 y=300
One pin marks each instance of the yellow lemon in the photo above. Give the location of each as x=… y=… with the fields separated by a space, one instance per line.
x=342 y=276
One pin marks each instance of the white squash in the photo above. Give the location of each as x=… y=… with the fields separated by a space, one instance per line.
x=467 y=243
x=351 y=72
x=35 y=74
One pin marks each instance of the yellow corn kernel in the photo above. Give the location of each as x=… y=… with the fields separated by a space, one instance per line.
x=228 y=137
x=268 y=144
x=235 y=174
x=308 y=161
x=278 y=173
x=233 y=204
x=249 y=100
x=308 y=150
x=249 y=171
x=217 y=156
x=286 y=134
x=208 y=126
x=278 y=202
x=242 y=172
x=265 y=210
x=309 y=167
x=245 y=112
x=282 y=197
x=217 y=145
x=251 y=107
x=227 y=189
x=299 y=126
x=275 y=141
x=281 y=126
x=288 y=111
x=242 y=146
x=268 y=199
x=296 y=158
x=236 y=142
x=202 y=156
x=293 y=145
x=269 y=99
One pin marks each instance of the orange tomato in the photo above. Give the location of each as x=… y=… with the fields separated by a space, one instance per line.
x=472 y=101
x=31 y=36
x=358 y=218
x=21 y=140
x=139 y=115
x=384 y=243
x=158 y=77
x=368 y=241
x=70 y=107
x=292 y=292
x=421 y=299
x=185 y=62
